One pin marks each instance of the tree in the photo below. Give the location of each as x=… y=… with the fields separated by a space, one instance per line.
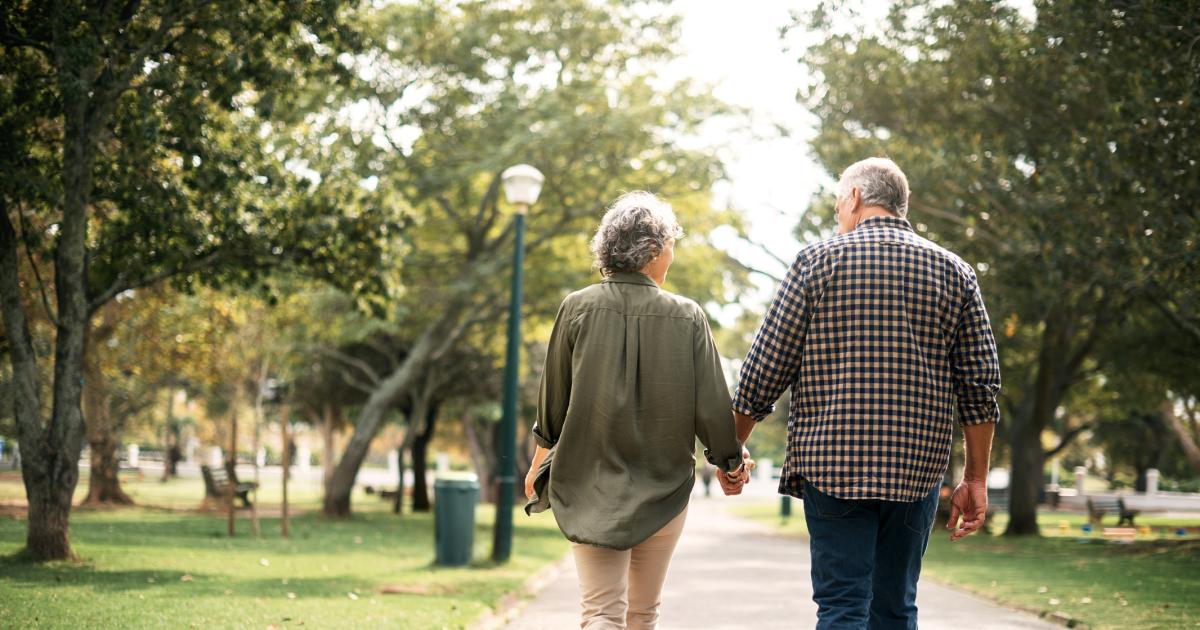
x=1036 y=149
x=460 y=93
x=133 y=153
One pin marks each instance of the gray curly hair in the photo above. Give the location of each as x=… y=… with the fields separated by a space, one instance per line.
x=634 y=230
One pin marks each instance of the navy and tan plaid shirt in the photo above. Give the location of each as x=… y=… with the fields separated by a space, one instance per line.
x=882 y=335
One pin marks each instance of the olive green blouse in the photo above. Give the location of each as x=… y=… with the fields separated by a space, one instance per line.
x=632 y=378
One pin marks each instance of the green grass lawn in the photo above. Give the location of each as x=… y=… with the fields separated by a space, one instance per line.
x=1153 y=583
x=155 y=568
x=180 y=494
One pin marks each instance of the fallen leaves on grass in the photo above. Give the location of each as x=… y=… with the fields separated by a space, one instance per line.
x=405 y=589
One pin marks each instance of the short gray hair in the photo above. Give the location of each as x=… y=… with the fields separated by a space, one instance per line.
x=634 y=230
x=879 y=182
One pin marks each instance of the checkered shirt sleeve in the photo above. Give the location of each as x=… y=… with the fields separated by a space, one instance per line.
x=774 y=358
x=974 y=363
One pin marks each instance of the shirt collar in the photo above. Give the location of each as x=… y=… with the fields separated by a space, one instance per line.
x=627 y=277
x=898 y=223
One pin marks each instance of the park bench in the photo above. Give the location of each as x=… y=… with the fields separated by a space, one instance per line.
x=218 y=481
x=1099 y=506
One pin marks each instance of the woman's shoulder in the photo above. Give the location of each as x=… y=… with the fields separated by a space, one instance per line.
x=606 y=296
x=683 y=306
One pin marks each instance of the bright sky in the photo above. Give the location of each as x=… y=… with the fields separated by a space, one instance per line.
x=772 y=178
x=738 y=50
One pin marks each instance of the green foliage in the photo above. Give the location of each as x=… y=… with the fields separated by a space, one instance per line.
x=1056 y=155
x=186 y=184
x=448 y=96
x=462 y=92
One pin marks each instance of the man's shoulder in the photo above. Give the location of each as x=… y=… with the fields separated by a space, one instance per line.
x=952 y=260
x=820 y=250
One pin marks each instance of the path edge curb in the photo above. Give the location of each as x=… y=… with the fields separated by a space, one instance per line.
x=513 y=604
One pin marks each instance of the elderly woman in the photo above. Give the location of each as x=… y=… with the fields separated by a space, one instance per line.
x=632 y=378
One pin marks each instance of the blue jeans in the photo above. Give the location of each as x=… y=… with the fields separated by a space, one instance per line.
x=866 y=559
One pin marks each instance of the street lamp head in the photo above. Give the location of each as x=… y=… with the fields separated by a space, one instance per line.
x=522 y=185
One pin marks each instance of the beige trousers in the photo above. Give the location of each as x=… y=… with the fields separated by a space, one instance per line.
x=623 y=588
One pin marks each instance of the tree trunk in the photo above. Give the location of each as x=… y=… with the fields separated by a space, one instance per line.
x=1139 y=483
x=398 y=500
x=171 y=439
x=104 y=486
x=1025 y=431
x=1026 y=477
x=50 y=450
x=482 y=457
x=104 y=483
x=1187 y=439
x=336 y=503
x=48 y=536
x=420 y=453
x=327 y=425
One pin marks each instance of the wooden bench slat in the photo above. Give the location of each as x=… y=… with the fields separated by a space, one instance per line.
x=217 y=483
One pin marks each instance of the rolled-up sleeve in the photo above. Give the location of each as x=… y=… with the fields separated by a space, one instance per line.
x=714 y=422
x=774 y=358
x=555 y=391
x=974 y=362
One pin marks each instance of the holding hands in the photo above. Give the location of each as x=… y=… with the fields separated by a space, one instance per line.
x=733 y=481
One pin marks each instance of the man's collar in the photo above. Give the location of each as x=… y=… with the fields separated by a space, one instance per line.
x=627 y=277
x=899 y=223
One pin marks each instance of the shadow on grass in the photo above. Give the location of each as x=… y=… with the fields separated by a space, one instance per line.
x=173 y=583
x=19 y=574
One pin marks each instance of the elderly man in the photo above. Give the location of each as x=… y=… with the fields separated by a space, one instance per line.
x=882 y=336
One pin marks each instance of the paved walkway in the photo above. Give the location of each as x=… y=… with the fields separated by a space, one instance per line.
x=777 y=593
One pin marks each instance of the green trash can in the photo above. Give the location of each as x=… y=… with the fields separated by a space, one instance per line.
x=455 y=497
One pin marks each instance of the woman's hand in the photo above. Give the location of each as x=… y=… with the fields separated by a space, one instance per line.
x=529 y=479
x=539 y=456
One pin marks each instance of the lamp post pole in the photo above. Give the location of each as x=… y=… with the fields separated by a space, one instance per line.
x=507 y=456
x=522 y=184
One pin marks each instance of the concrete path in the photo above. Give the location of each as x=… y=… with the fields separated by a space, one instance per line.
x=777 y=593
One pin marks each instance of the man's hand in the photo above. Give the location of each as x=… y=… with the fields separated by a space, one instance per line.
x=969 y=502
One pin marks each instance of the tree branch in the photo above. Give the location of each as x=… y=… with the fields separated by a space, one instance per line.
x=37 y=275
x=753 y=269
x=1066 y=439
x=1187 y=327
x=345 y=358
x=26 y=387
x=112 y=82
x=9 y=38
x=122 y=283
